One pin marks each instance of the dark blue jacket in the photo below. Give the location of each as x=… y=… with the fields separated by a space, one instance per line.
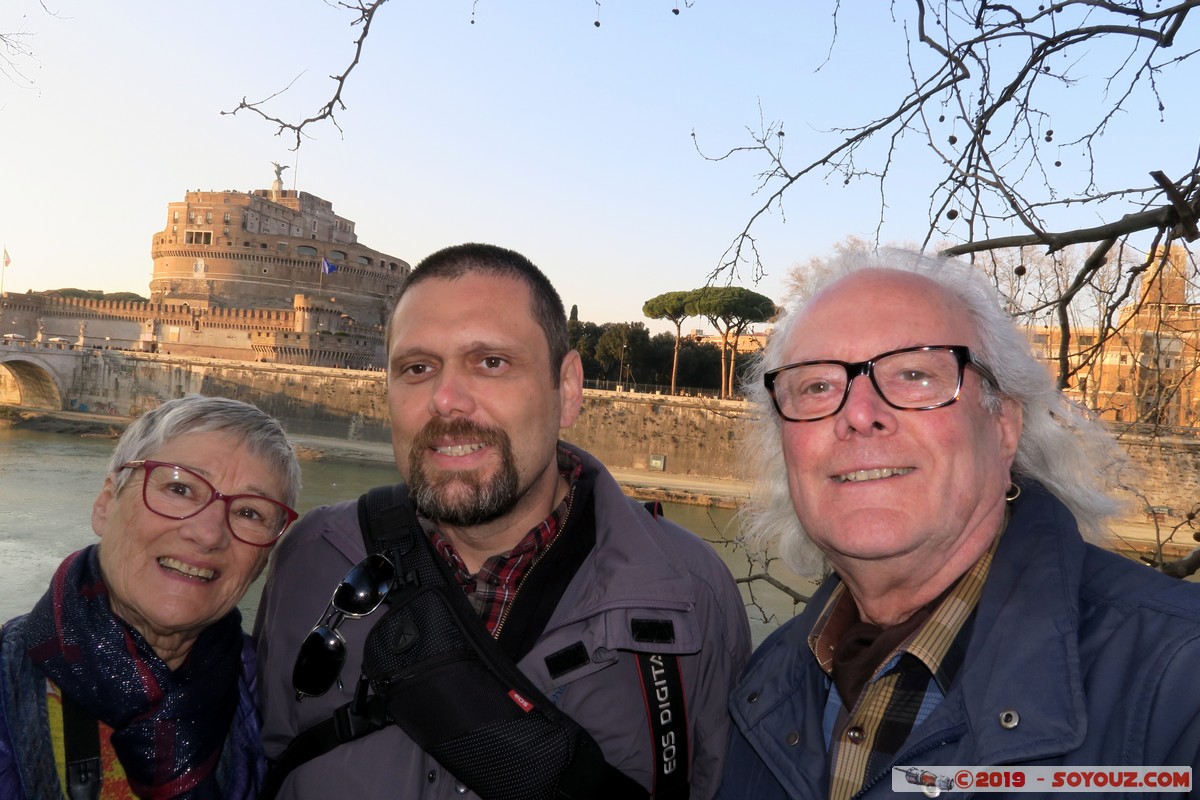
x=1098 y=656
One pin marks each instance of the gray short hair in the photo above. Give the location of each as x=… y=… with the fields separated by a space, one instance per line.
x=259 y=431
x=1061 y=445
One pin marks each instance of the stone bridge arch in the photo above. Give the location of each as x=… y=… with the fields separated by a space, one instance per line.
x=26 y=380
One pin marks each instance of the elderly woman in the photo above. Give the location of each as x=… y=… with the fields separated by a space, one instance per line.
x=910 y=442
x=132 y=674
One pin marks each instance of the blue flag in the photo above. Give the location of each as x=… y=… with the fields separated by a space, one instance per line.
x=326 y=267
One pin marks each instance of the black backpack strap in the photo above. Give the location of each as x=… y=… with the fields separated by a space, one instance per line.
x=384 y=529
x=349 y=722
x=81 y=744
x=389 y=525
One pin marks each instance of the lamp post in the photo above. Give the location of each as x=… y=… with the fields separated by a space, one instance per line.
x=621 y=368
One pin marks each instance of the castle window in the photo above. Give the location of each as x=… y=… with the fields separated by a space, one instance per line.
x=226 y=217
x=175 y=217
x=363 y=260
x=338 y=254
x=208 y=217
x=305 y=250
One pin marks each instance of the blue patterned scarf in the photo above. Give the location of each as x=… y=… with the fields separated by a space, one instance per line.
x=168 y=726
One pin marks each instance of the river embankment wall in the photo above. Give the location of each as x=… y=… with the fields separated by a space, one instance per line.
x=680 y=436
x=674 y=436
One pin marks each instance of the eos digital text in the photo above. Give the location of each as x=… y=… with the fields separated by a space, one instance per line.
x=933 y=781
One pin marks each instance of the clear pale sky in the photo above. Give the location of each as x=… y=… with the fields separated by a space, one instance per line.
x=530 y=128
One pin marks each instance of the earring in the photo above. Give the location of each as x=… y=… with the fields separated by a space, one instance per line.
x=1013 y=492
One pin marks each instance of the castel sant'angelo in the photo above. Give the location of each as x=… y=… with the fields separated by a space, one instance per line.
x=270 y=275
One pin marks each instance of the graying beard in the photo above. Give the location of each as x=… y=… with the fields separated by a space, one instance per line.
x=484 y=502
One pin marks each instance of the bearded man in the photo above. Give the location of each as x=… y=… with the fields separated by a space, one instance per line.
x=564 y=572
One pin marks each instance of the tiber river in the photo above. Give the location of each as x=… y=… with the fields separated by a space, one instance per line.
x=48 y=482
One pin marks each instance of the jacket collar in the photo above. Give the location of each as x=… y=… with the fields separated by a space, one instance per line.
x=1023 y=656
x=633 y=558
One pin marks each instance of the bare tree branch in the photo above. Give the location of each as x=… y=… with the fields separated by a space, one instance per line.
x=365 y=16
x=16 y=50
x=996 y=154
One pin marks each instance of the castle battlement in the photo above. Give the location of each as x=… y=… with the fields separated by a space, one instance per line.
x=268 y=275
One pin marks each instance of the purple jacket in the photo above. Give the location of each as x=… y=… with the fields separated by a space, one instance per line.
x=639 y=566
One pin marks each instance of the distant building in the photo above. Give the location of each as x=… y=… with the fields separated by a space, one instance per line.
x=1148 y=370
x=270 y=275
x=749 y=342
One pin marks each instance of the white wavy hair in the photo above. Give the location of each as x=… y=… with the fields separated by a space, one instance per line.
x=1061 y=446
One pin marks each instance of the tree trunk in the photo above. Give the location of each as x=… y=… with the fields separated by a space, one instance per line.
x=675 y=359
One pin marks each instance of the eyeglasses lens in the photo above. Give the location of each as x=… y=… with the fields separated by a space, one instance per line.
x=920 y=378
x=364 y=587
x=319 y=662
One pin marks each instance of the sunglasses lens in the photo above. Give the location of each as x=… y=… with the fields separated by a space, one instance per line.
x=365 y=586
x=319 y=662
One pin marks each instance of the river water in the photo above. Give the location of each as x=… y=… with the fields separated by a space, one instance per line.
x=48 y=482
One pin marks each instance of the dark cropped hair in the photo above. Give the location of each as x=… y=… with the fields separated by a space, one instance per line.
x=460 y=260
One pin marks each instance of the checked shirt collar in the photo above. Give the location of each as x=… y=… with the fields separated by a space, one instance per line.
x=492 y=589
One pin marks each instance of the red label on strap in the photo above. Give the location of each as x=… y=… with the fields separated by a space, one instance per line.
x=525 y=705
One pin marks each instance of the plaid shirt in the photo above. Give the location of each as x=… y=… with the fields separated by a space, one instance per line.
x=903 y=691
x=492 y=589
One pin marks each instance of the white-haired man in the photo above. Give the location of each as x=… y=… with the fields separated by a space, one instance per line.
x=913 y=444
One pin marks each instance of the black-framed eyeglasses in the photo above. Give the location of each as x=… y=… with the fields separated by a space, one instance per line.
x=175 y=492
x=323 y=651
x=909 y=379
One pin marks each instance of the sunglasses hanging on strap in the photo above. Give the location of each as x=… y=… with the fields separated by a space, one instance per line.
x=431 y=667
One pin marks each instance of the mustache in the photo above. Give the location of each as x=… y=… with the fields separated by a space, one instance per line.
x=437 y=429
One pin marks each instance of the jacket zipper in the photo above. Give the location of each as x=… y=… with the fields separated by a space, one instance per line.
x=537 y=559
x=911 y=754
